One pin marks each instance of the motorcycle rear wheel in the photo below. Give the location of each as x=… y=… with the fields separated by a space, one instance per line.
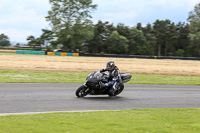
x=120 y=88
x=82 y=91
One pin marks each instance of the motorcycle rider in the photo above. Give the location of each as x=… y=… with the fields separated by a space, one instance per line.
x=113 y=76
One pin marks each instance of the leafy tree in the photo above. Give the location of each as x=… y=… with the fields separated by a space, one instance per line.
x=137 y=43
x=179 y=52
x=139 y=26
x=70 y=21
x=34 y=42
x=31 y=41
x=182 y=43
x=117 y=44
x=17 y=45
x=101 y=32
x=150 y=38
x=81 y=33
x=194 y=19
x=195 y=44
x=96 y=44
x=4 y=40
x=46 y=37
x=170 y=38
x=161 y=27
x=123 y=30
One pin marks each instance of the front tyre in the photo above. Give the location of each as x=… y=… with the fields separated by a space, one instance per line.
x=82 y=91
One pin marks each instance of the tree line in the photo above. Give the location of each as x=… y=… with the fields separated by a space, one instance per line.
x=72 y=28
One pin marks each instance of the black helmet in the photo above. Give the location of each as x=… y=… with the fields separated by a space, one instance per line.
x=110 y=65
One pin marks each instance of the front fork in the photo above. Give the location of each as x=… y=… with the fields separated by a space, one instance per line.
x=85 y=85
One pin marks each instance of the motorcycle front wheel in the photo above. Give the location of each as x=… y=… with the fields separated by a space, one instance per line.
x=82 y=91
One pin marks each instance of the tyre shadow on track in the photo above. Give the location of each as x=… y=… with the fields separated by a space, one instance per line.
x=106 y=98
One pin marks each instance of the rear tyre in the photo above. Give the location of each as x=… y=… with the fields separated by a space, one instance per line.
x=120 y=88
x=82 y=91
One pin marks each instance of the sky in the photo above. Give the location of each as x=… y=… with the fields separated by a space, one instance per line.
x=22 y=18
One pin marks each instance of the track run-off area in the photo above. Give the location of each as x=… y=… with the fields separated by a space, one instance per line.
x=17 y=98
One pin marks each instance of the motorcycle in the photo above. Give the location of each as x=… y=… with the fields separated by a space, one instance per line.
x=92 y=86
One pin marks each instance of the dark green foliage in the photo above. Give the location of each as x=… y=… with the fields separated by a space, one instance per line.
x=73 y=29
x=35 y=43
x=117 y=44
x=194 y=19
x=101 y=33
x=4 y=40
x=70 y=21
x=162 y=38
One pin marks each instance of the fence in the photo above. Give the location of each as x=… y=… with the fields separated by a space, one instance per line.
x=47 y=53
x=102 y=55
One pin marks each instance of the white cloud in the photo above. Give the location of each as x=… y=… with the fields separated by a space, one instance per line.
x=21 y=18
x=3 y=22
x=174 y=4
x=131 y=12
x=25 y=18
x=16 y=34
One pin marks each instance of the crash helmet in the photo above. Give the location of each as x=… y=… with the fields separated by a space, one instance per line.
x=110 y=65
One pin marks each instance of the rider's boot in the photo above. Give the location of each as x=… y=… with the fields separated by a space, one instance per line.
x=114 y=88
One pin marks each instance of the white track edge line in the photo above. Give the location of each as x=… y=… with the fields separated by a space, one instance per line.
x=32 y=113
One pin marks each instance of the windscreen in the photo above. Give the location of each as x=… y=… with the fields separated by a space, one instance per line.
x=98 y=75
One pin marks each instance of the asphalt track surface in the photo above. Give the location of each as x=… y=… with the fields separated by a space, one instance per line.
x=60 y=97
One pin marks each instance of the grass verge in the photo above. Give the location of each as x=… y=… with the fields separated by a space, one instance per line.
x=125 y=121
x=72 y=77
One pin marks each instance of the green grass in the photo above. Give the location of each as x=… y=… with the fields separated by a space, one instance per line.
x=125 y=121
x=72 y=77
x=41 y=77
x=166 y=79
x=5 y=53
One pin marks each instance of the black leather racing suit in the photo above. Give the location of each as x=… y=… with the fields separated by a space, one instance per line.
x=113 y=77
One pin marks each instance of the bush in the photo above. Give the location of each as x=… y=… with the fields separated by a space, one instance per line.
x=179 y=52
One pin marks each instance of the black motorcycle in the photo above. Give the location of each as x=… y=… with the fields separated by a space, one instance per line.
x=94 y=81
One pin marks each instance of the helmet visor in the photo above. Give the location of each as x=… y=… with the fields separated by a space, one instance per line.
x=109 y=67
